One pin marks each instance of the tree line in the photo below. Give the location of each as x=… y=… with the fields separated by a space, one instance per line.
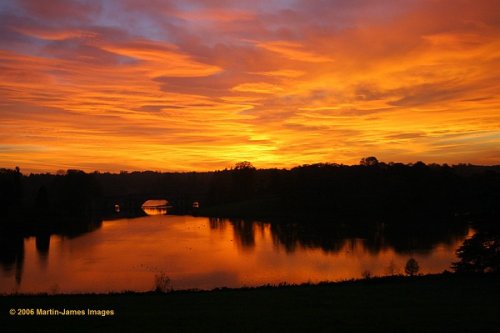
x=369 y=191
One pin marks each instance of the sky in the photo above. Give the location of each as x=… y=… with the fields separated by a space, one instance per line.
x=201 y=85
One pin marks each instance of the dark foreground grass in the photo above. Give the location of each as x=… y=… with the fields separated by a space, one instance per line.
x=441 y=303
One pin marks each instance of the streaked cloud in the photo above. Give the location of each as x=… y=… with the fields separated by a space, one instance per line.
x=258 y=87
x=201 y=85
x=294 y=51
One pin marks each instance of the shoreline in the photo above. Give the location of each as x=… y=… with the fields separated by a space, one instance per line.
x=373 y=280
x=427 y=303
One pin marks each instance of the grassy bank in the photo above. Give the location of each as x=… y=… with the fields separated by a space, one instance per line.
x=423 y=304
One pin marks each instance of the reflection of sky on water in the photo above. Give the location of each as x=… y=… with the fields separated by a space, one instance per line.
x=197 y=252
x=155 y=210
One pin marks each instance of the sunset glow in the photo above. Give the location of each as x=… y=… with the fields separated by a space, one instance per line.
x=200 y=85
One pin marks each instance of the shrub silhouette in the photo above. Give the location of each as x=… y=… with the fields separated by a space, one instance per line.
x=162 y=283
x=411 y=267
x=479 y=254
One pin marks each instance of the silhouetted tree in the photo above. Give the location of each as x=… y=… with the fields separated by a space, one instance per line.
x=479 y=254
x=11 y=191
x=369 y=161
x=42 y=205
x=411 y=267
x=245 y=165
x=77 y=193
x=243 y=185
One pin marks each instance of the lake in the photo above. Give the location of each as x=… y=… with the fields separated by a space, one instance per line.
x=204 y=253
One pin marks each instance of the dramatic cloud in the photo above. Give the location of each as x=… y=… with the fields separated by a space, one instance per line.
x=201 y=85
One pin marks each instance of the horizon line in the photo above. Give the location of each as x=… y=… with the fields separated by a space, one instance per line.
x=232 y=167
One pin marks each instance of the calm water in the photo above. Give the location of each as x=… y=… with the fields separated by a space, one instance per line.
x=197 y=252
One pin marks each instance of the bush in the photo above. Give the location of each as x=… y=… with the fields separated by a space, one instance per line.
x=162 y=283
x=411 y=267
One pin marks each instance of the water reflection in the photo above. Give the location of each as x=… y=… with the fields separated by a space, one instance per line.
x=43 y=244
x=155 y=210
x=12 y=256
x=336 y=236
x=198 y=252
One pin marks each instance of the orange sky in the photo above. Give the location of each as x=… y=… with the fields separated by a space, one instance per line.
x=200 y=85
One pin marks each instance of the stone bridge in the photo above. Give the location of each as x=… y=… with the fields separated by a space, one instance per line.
x=130 y=204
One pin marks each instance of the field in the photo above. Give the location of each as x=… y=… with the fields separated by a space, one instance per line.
x=435 y=303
